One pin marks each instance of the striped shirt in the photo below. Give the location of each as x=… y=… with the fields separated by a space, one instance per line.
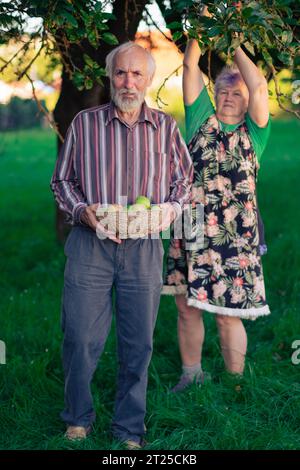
x=104 y=160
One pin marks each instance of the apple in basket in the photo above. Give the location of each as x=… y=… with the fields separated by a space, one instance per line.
x=143 y=200
x=136 y=208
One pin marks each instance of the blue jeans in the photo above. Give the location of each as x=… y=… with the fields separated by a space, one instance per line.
x=93 y=267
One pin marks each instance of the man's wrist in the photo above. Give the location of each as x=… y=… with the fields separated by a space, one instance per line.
x=77 y=212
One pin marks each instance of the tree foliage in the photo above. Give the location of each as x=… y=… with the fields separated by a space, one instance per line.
x=80 y=31
x=268 y=31
x=65 y=23
x=270 y=28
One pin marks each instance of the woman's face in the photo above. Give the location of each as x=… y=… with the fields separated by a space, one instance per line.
x=232 y=101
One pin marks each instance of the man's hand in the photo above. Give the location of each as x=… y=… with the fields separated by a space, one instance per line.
x=168 y=215
x=88 y=217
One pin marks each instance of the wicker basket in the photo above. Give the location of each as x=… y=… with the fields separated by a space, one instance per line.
x=129 y=224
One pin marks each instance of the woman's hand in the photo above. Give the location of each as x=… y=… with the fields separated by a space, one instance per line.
x=205 y=12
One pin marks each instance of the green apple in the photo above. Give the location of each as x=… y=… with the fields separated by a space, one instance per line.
x=155 y=208
x=136 y=208
x=144 y=201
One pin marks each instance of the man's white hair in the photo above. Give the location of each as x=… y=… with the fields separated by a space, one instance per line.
x=229 y=76
x=127 y=46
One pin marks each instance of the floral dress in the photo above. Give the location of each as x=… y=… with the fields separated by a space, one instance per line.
x=225 y=275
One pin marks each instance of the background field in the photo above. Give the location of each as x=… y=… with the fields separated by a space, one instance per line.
x=263 y=412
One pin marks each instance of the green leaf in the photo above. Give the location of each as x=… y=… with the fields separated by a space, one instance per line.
x=78 y=80
x=285 y=58
x=193 y=34
x=267 y=57
x=291 y=21
x=99 y=71
x=284 y=2
x=70 y=19
x=110 y=38
x=69 y=7
x=108 y=16
x=88 y=84
x=177 y=35
x=102 y=26
x=174 y=25
x=59 y=20
x=287 y=37
x=221 y=44
x=88 y=60
x=93 y=37
x=214 y=31
x=278 y=21
x=205 y=21
x=297 y=61
x=235 y=27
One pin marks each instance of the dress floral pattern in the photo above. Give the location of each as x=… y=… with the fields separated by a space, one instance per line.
x=225 y=275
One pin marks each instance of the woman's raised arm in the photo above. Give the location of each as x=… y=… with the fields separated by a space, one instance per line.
x=256 y=83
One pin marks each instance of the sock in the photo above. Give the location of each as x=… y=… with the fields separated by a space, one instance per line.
x=192 y=371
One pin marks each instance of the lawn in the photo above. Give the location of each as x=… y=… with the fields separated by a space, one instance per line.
x=262 y=413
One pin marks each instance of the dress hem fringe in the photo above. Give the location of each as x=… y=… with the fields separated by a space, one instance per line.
x=247 y=313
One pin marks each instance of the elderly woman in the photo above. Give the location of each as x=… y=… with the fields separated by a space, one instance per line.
x=224 y=276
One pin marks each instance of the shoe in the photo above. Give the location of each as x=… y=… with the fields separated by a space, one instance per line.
x=129 y=444
x=77 y=433
x=185 y=381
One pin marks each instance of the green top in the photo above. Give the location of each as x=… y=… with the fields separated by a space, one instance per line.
x=202 y=108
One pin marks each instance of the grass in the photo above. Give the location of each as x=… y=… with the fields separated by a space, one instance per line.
x=264 y=413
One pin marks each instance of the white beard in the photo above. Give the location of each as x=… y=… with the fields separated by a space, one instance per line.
x=127 y=104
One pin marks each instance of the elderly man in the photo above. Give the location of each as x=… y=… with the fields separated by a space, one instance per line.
x=123 y=148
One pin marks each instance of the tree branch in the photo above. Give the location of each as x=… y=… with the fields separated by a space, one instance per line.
x=40 y=106
x=156 y=25
x=24 y=72
x=26 y=45
x=158 y=99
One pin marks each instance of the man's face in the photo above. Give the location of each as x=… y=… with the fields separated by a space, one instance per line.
x=130 y=80
x=232 y=101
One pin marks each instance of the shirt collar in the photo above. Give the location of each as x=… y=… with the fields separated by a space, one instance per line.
x=146 y=114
